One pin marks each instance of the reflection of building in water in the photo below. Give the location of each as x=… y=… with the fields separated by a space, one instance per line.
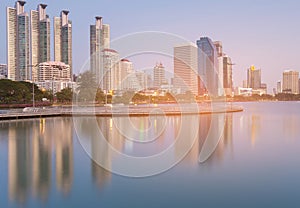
x=228 y=131
x=19 y=162
x=291 y=128
x=204 y=126
x=100 y=152
x=41 y=159
x=220 y=129
x=255 y=128
x=185 y=134
x=30 y=157
x=225 y=138
x=63 y=154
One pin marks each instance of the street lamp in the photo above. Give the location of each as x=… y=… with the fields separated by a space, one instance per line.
x=32 y=77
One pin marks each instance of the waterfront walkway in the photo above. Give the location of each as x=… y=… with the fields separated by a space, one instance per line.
x=109 y=111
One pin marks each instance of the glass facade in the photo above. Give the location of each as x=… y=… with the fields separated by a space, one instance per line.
x=44 y=41
x=208 y=65
x=23 y=48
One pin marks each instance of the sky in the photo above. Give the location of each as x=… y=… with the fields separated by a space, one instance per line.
x=263 y=33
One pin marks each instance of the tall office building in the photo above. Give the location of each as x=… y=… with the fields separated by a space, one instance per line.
x=159 y=75
x=111 y=70
x=106 y=35
x=208 y=65
x=63 y=39
x=57 y=38
x=220 y=69
x=143 y=79
x=279 y=86
x=185 y=68
x=17 y=42
x=128 y=78
x=96 y=46
x=99 y=40
x=227 y=75
x=254 y=78
x=290 y=82
x=40 y=38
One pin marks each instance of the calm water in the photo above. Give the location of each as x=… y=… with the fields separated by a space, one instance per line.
x=256 y=164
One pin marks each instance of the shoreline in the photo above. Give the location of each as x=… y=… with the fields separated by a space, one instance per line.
x=110 y=113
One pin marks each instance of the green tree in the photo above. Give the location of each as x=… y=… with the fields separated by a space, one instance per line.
x=87 y=86
x=65 y=95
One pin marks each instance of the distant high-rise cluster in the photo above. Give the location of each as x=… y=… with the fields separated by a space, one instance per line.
x=112 y=73
x=203 y=68
x=28 y=41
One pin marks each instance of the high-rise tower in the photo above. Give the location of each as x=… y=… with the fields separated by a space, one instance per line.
x=159 y=75
x=99 y=40
x=18 y=42
x=290 y=82
x=254 y=78
x=185 y=68
x=40 y=38
x=208 y=65
x=63 y=39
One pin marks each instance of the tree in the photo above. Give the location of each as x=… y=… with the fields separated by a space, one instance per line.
x=65 y=95
x=12 y=92
x=100 y=96
x=87 y=86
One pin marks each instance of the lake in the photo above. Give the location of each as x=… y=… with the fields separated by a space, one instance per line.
x=47 y=162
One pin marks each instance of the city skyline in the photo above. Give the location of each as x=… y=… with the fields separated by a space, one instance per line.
x=255 y=45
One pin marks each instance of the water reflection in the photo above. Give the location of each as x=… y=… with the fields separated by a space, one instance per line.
x=178 y=131
x=40 y=151
x=32 y=145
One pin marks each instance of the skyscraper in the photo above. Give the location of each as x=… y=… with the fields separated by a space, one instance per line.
x=57 y=38
x=254 y=78
x=96 y=46
x=220 y=69
x=279 y=86
x=185 y=68
x=227 y=75
x=17 y=42
x=128 y=79
x=99 y=40
x=40 y=38
x=159 y=75
x=208 y=65
x=290 y=82
x=111 y=70
x=63 y=39
x=106 y=36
